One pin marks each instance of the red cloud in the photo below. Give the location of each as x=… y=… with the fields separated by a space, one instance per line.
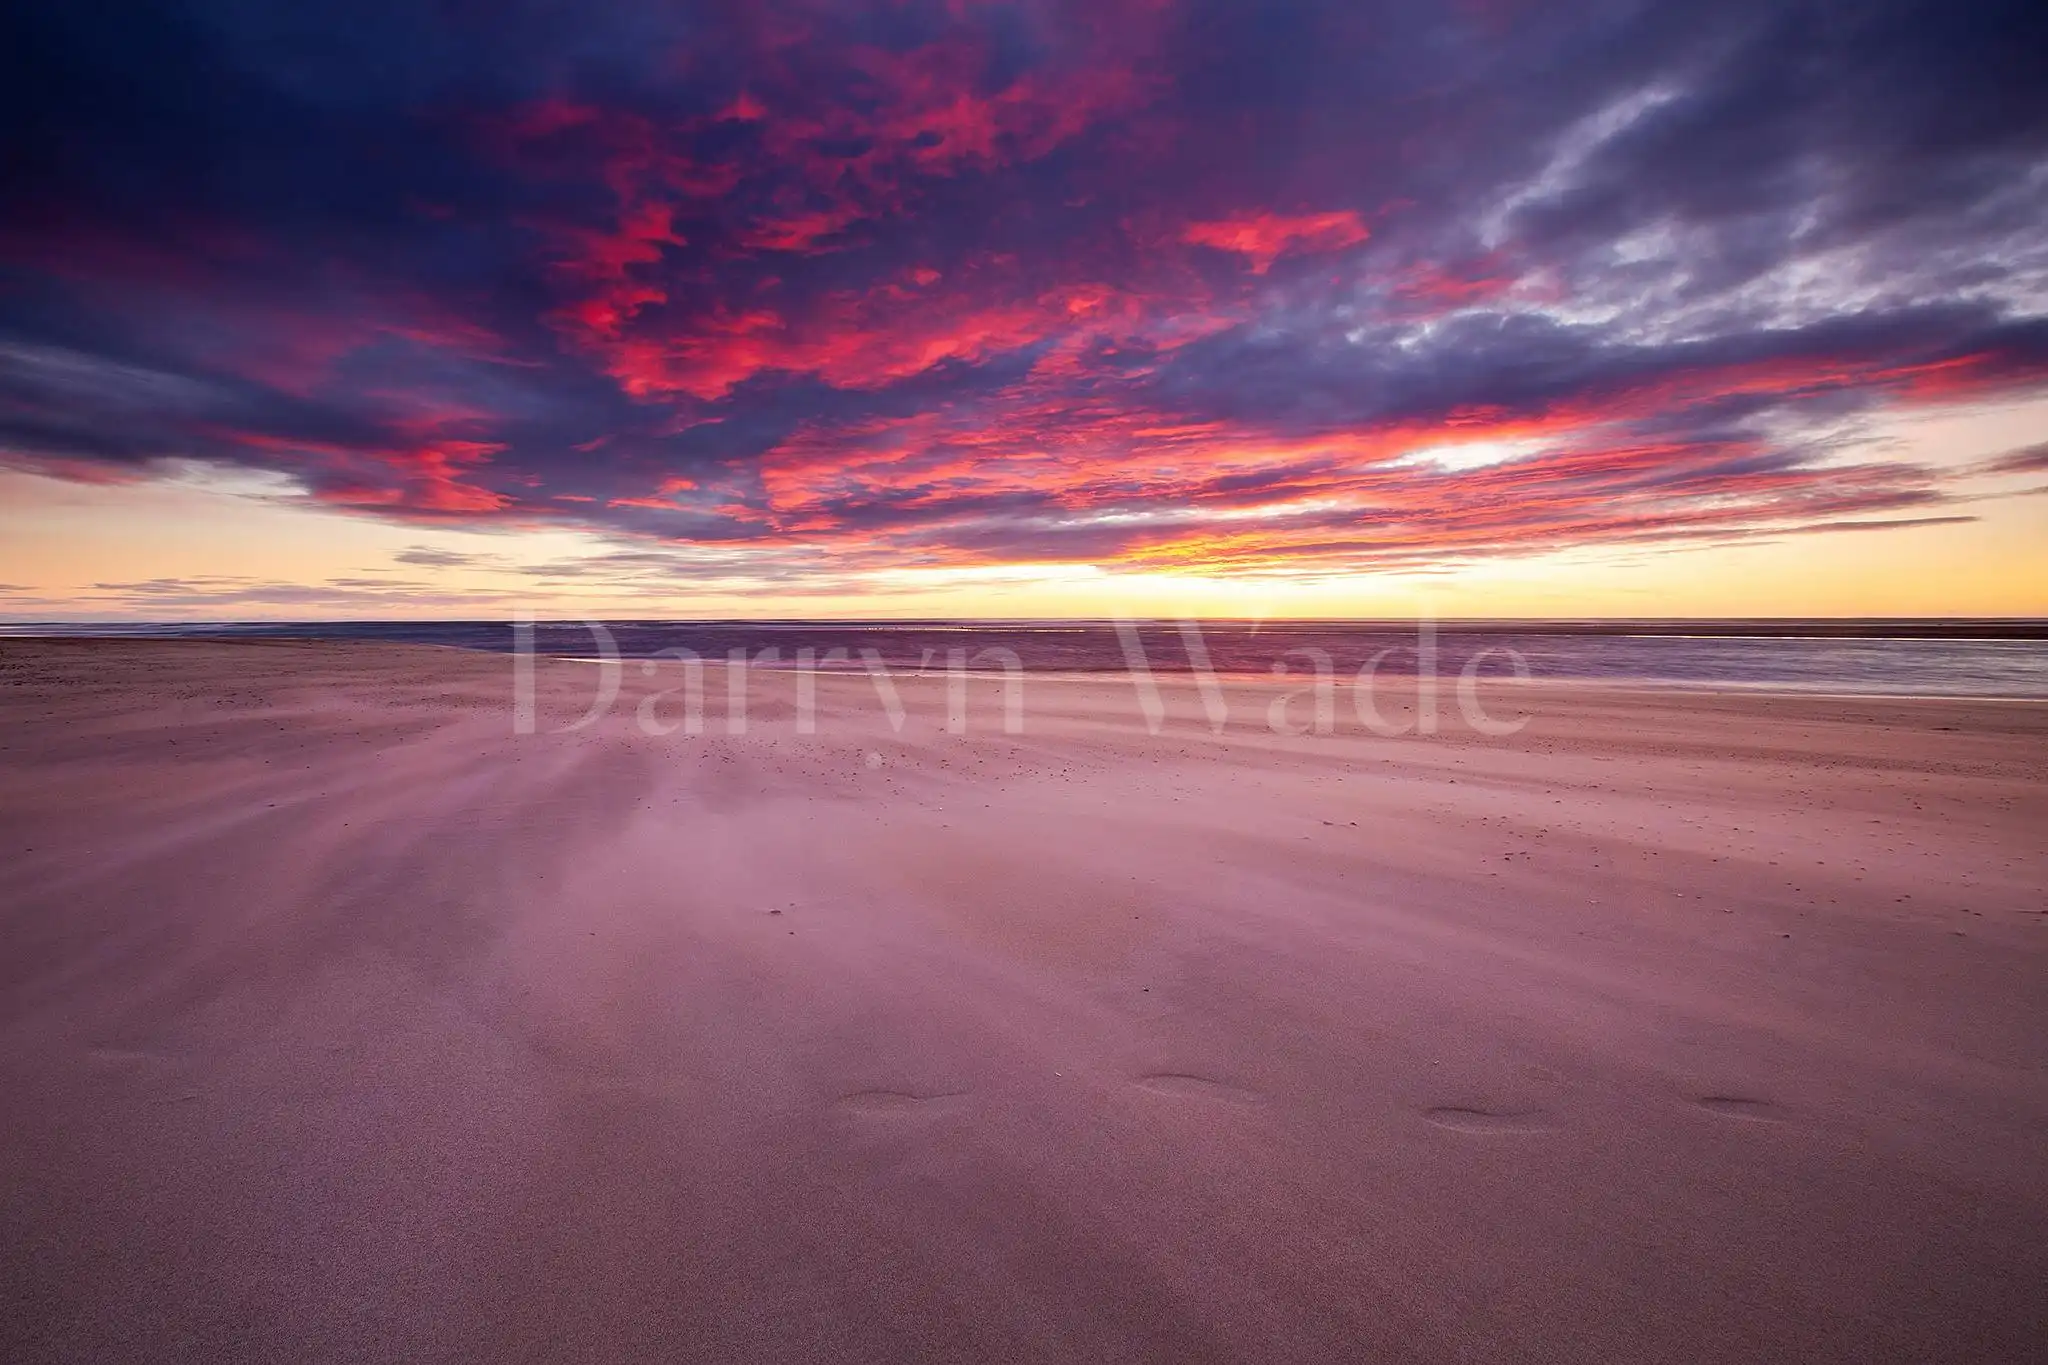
x=663 y=499
x=854 y=216
x=859 y=340
x=433 y=480
x=423 y=477
x=826 y=137
x=1263 y=238
x=1441 y=288
x=1044 y=476
x=606 y=259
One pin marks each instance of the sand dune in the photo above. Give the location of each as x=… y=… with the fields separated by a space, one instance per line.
x=339 y=1022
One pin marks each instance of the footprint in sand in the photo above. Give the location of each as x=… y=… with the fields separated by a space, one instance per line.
x=895 y=1104
x=1741 y=1107
x=1465 y=1119
x=1184 y=1084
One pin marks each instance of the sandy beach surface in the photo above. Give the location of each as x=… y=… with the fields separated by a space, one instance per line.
x=340 y=1022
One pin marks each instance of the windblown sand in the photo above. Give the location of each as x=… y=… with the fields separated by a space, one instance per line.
x=338 y=1022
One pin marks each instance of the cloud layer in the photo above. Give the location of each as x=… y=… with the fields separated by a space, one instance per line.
x=1257 y=288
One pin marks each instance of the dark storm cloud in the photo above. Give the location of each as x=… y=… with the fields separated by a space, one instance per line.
x=1129 y=280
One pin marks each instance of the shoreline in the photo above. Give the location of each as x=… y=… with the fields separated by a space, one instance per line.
x=713 y=667
x=1989 y=629
x=1850 y=665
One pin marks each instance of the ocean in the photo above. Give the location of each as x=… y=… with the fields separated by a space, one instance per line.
x=1960 y=658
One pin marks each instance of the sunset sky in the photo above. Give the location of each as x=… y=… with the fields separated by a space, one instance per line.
x=1485 y=307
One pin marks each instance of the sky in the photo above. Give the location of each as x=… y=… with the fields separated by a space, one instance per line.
x=365 y=308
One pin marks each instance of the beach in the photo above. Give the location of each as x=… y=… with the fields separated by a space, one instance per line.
x=341 y=1021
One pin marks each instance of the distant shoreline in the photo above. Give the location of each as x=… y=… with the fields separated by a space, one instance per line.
x=1302 y=654
x=1762 y=628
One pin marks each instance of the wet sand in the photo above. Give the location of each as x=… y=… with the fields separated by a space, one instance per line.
x=339 y=1022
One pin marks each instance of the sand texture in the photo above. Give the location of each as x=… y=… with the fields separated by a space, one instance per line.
x=338 y=1022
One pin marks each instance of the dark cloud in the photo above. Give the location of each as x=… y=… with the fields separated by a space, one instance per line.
x=1170 y=282
x=430 y=558
x=2028 y=460
x=211 y=594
